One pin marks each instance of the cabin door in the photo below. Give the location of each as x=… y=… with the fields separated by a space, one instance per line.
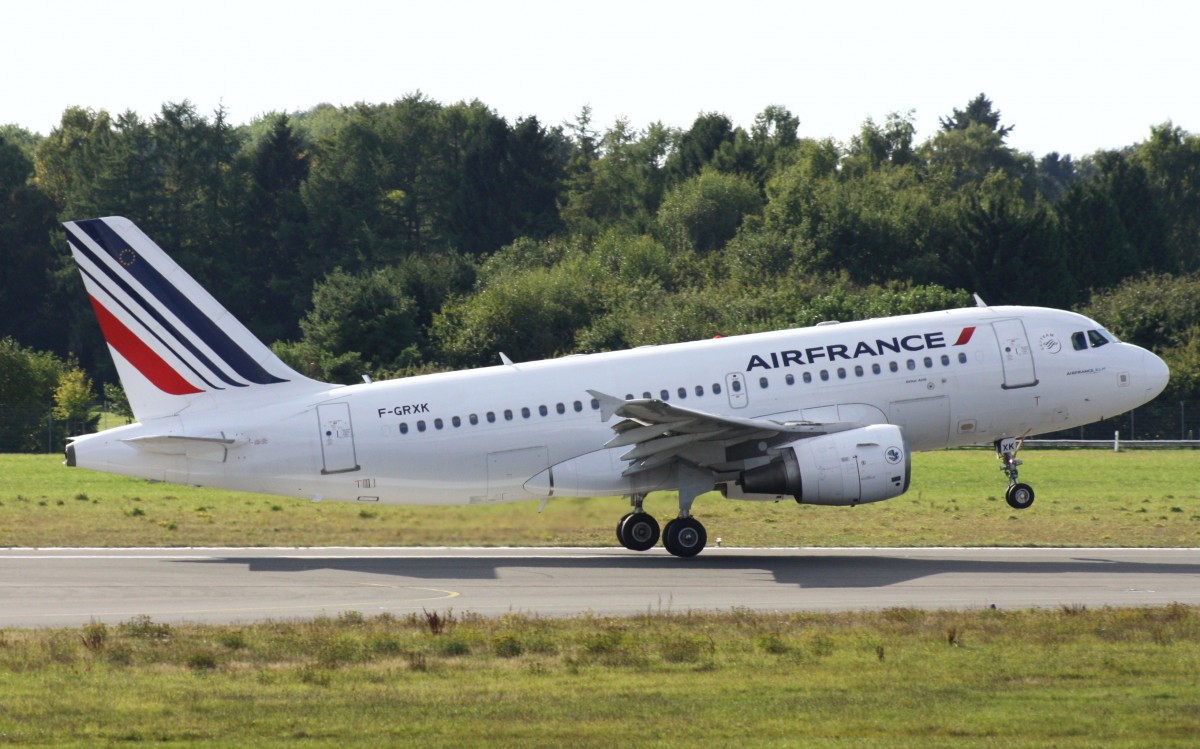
x=337 y=438
x=1016 y=355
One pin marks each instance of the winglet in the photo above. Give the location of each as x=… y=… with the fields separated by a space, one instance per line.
x=608 y=404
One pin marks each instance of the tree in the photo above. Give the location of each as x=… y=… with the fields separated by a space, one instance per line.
x=73 y=399
x=875 y=145
x=704 y=213
x=1113 y=227
x=1171 y=159
x=362 y=324
x=28 y=379
x=620 y=188
x=979 y=111
x=1007 y=251
x=26 y=223
x=694 y=148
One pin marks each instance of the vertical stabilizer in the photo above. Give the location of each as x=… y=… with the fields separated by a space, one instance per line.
x=172 y=342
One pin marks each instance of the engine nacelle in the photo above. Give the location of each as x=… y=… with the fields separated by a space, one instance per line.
x=868 y=464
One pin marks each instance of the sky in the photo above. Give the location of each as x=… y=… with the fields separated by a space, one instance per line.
x=1071 y=77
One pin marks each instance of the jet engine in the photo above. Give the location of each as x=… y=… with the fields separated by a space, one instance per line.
x=867 y=464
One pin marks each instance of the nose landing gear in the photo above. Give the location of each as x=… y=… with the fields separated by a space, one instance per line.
x=1019 y=496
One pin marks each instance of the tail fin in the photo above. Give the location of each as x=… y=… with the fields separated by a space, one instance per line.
x=173 y=343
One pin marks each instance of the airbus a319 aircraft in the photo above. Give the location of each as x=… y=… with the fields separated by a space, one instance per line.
x=826 y=415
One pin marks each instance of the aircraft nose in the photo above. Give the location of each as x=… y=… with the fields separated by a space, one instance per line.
x=1155 y=372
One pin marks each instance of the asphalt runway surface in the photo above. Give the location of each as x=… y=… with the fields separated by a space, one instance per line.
x=72 y=587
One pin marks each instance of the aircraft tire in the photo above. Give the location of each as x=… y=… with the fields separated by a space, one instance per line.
x=639 y=531
x=621 y=533
x=685 y=537
x=1019 y=496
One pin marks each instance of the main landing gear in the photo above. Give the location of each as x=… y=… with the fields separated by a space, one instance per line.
x=1019 y=496
x=638 y=530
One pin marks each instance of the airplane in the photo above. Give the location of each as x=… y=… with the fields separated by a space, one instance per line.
x=827 y=415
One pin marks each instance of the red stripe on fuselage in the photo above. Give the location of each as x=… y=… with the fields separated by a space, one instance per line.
x=965 y=335
x=152 y=366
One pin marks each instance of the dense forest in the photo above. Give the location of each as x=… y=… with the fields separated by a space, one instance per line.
x=392 y=239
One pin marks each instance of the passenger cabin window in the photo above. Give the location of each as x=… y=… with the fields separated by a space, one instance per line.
x=542 y=410
x=716 y=388
x=762 y=382
x=736 y=385
x=491 y=417
x=699 y=390
x=456 y=421
x=474 y=419
x=524 y=412
x=682 y=392
x=790 y=379
x=508 y=414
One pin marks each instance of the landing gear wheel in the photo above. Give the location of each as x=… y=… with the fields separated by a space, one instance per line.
x=638 y=531
x=620 y=534
x=685 y=537
x=1019 y=496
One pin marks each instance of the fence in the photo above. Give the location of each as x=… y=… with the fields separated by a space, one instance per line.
x=1158 y=420
x=31 y=428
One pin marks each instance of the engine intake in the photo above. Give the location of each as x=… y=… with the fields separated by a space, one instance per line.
x=868 y=464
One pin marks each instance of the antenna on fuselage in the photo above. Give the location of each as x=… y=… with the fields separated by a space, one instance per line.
x=979 y=301
x=504 y=358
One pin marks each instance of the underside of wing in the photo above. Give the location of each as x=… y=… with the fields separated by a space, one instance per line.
x=660 y=433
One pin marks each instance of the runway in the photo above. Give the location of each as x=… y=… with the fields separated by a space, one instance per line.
x=71 y=587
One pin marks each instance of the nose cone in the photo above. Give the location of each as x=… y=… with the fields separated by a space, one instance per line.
x=1155 y=374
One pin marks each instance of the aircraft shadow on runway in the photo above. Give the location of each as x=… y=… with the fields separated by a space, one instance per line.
x=860 y=571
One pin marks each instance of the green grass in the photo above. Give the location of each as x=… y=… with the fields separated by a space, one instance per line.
x=1084 y=498
x=1070 y=677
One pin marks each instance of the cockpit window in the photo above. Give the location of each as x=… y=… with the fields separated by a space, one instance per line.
x=1082 y=340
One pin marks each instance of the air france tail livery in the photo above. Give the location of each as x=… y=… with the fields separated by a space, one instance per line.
x=827 y=415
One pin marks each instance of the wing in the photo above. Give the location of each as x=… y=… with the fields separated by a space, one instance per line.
x=660 y=432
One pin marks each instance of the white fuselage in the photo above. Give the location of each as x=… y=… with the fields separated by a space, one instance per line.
x=959 y=377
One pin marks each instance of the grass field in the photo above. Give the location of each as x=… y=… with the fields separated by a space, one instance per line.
x=1069 y=677
x=898 y=678
x=1084 y=498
